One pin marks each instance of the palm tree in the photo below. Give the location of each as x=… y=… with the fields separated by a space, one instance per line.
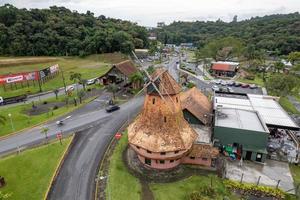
x=80 y=95
x=44 y=131
x=83 y=82
x=76 y=78
x=113 y=88
x=2 y=119
x=279 y=66
x=55 y=91
x=136 y=80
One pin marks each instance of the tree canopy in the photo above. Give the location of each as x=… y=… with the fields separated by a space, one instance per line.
x=58 y=31
x=276 y=33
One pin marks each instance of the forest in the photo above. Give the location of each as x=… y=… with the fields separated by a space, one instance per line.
x=278 y=33
x=60 y=32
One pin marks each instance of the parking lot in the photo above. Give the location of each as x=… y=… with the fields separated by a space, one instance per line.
x=238 y=88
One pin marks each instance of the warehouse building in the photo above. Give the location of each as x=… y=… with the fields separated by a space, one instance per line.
x=242 y=124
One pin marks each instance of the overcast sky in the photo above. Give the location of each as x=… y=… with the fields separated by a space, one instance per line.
x=149 y=12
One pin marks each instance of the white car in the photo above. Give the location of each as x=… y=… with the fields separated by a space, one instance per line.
x=70 y=88
x=224 y=83
x=215 y=88
x=91 y=81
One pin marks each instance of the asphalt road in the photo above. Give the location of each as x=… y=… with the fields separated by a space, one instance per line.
x=76 y=179
x=87 y=116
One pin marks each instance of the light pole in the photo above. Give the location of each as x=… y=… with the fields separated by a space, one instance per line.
x=11 y=122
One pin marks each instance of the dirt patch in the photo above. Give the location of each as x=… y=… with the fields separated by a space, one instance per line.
x=25 y=61
x=43 y=108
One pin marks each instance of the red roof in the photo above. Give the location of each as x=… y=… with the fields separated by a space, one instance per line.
x=126 y=67
x=222 y=67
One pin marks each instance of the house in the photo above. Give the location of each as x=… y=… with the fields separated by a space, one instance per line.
x=119 y=73
x=224 y=69
x=188 y=45
x=160 y=136
x=196 y=107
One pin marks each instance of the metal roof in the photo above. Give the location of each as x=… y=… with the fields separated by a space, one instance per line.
x=267 y=107
x=240 y=119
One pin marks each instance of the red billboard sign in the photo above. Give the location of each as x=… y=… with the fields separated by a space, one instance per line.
x=19 y=77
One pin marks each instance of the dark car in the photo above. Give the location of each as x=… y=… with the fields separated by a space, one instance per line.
x=112 y=108
x=245 y=85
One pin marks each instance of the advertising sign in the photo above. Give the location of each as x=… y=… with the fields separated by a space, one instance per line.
x=54 y=69
x=15 y=78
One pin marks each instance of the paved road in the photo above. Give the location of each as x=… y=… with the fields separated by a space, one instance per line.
x=76 y=177
x=82 y=118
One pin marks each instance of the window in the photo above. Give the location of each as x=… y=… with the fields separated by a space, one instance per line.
x=162 y=153
x=137 y=147
x=162 y=162
x=204 y=159
x=171 y=161
x=153 y=101
x=165 y=119
x=193 y=158
x=176 y=152
x=148 y=161
x=149 y=151
x=177 y=99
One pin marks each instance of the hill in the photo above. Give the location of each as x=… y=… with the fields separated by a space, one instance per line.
x=59 y=32
x=278 y=33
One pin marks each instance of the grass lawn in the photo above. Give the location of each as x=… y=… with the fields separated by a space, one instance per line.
x=90 y=67
x=28 y=175
x=180 y=190
x=121 y=184
x=287 y=105
x=258 y=81
x=21 y=120
x=295 y=170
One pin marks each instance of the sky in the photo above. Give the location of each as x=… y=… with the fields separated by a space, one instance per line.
x=149 y=12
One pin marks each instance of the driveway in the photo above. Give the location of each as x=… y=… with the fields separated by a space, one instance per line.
x=270 y=173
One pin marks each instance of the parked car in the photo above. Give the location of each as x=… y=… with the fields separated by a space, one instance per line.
x=215 y=88
x=253 y=86
x=236 y=84
x=112 y=108
x=224 y=83
x=70 y=88
x=245 y=85
x=91 y=81
x=230 y=83
x=217 y=81
x=230 y=89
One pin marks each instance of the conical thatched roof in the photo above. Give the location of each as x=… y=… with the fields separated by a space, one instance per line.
x=197 y=103
x=161 y=126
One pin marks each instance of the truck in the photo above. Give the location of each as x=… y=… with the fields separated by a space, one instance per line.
x=14 y=99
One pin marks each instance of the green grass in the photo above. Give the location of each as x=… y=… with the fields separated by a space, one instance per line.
x=287 y=105
x=28 y=175
x=121 y=184
x=180 y=190
x=21 y=120
x=90 y=67
x=258 y=81
x=295 y=170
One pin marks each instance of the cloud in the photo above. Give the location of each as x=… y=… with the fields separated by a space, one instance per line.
x=149 y=12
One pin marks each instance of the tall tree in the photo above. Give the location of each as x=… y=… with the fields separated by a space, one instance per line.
x=76 y=78
x=113 y=88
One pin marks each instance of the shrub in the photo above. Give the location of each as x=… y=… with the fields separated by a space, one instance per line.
x=89 y=89
x=45 y=102
x=55 y=107
x=250 y=77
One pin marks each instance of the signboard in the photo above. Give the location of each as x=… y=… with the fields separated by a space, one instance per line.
x=59 y=136
x=54 y=69
x=19 y=77
x=45 y=72
x=118 y=136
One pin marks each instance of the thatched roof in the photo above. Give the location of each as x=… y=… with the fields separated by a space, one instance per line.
x=161 y=126
x=204 y=151
x=126 y=67
x=197 y=104
x=165 y=83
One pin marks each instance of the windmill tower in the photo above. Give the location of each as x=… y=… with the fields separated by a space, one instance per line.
x=160 y=135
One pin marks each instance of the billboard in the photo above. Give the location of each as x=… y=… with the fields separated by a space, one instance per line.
x=19 y=77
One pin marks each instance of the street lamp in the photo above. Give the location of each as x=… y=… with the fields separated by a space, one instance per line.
x=11 y=122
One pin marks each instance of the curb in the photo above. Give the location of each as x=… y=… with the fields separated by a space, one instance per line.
x=44 y=122
x=61 y=161
x=105 y=155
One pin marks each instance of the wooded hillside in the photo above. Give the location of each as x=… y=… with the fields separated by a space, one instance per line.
x=58 y=31
x=279 y=33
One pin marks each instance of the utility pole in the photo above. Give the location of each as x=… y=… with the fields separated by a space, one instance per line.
x=63 y=78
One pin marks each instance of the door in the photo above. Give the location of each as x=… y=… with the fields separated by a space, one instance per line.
x=248 y=155
x=258 y=157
